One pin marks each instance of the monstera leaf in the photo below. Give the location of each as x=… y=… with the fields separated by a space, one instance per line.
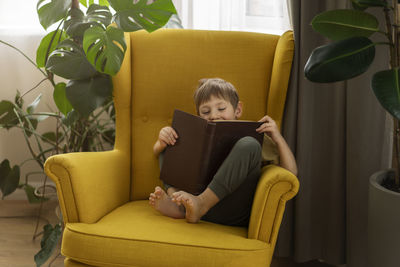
x=386 y=86
x=77 y=22
x=132 y=17
x=105 y=49
x=340 y=61
x=47 y=45
x=345 y=23
x=52 y=11
x=89 y=94
x=69 y=61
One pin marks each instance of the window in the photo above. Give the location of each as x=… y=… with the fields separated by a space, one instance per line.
x=266 y=16
x=19 y=15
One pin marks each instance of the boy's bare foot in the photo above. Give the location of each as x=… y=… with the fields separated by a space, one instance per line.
x=160 y=201
x=195 y=208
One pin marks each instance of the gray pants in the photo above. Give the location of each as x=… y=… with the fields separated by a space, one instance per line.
x=235 y=183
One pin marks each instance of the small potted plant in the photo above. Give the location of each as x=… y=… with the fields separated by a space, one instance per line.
x=350 y=55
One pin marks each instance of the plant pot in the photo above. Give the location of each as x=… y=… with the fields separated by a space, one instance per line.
x=383 y=223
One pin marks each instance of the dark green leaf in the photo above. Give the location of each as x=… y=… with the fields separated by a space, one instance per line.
x=61 y=100
x=71 y=118
x=30 y=123
x=105 y=49
x=345 y=23
x=49 y=242
x=386 y=86
x=51 y=40
x=8 y=118
x=87 y=95
x=49 y=136
x=9 y=178
x=373 y=3
x=32 y=106
x=30 y=194
x=358 y=6
x=70 y=62
x=340 y=61
x=53 y=11
x=132 y=17
x=77 y=22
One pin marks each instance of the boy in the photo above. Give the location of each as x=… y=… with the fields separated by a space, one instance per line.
x=229 y=196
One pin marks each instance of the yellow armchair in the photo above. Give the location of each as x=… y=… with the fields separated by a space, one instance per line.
x=104 y=195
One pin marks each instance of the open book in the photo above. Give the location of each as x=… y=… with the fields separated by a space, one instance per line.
x=200 y=149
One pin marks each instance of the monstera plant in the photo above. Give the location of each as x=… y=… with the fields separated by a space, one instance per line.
x=352 y=52
x=88 y=47
x=84 y=46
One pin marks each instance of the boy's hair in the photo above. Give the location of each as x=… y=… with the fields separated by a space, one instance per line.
x=215 y=87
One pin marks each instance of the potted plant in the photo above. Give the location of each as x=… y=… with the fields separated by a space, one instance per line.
x=86 y=49
x=350 y=55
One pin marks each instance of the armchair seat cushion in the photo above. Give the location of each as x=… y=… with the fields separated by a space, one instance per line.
x=136 y=235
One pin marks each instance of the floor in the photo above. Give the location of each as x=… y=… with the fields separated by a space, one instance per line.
x=17 y=224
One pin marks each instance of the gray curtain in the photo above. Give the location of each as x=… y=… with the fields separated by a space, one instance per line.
x=339 y=135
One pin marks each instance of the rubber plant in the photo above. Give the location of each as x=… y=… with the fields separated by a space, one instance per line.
x=352 y=52
x=85 y=48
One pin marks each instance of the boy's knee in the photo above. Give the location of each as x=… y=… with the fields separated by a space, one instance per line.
x=248 y=144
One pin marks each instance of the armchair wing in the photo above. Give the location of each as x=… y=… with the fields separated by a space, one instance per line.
x=90 y=184
x=276 y=186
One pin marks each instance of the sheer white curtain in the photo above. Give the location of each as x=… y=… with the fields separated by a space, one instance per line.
x=266 y=16
x=19 y=15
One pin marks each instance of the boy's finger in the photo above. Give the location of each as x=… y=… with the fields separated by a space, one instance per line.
x=165 y=140
x=175 y=134
x=263 y=119
x=266 y=118
x=172 y=138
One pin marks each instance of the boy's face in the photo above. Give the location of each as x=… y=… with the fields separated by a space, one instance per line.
x=219 y=109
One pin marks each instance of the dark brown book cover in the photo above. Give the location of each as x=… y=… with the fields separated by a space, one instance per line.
x=200 y=149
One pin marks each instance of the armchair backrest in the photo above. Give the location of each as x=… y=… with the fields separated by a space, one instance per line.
x=160 y=73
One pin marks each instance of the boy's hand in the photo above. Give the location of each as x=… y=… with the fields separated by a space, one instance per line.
x=167 y=136
x=269 y=127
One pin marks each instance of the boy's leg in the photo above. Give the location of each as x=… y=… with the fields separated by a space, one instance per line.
x=235 y=183
x=228 y=198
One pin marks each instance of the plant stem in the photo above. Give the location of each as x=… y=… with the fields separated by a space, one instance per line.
x=22 y=53
x=27 y=141
x=390 y=37
x=33 y=88
x=75 y=4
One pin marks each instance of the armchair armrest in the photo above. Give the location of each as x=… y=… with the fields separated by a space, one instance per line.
x=90 y=184
x=276 y=186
